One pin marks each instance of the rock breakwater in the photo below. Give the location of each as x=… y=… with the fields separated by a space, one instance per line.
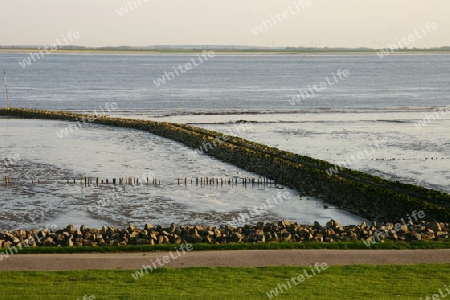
x=282 y=231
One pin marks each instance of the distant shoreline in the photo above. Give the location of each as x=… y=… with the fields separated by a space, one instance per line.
x=224 y=52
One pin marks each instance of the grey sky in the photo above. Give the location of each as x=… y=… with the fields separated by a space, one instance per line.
x=349 y=23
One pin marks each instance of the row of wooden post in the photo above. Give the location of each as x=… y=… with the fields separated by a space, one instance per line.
x=221 y=181
x=88 y=181
x=121 y=181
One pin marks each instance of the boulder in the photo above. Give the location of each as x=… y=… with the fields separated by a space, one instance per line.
x=286 y=237
x=317 y=225
x=416 y=236
x=132 y=228
x=172 y=228
x=260 y=238
x=235 y=238
x=333 y=224
x=48 y=242
x=284 y=223
x=70 y=229
x=404 y=229
x=435 y=226
x=260 y=225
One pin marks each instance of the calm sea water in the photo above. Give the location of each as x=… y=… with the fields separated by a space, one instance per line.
x=224 y=83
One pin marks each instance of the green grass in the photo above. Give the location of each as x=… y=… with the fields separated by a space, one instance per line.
x=337 y=282
x=390 y=245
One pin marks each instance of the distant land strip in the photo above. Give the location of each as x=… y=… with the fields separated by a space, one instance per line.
x=220 y=49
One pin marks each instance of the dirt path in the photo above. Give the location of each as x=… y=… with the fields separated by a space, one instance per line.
x=229 y=258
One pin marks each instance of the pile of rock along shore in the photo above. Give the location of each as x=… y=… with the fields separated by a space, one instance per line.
x=283 y=231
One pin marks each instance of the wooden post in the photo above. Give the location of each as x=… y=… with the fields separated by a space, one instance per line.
x=8 y=102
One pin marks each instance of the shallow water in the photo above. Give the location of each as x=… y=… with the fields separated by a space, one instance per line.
x=106 y=152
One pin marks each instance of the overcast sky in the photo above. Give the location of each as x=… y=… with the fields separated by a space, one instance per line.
x=332 y=23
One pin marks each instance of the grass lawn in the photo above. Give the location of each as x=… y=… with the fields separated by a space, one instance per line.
x=336 y=282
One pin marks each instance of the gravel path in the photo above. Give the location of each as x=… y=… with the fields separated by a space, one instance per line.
x=228 y=258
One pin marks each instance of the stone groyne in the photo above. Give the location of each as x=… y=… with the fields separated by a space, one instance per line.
x=282 y=231
x=369 y=196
